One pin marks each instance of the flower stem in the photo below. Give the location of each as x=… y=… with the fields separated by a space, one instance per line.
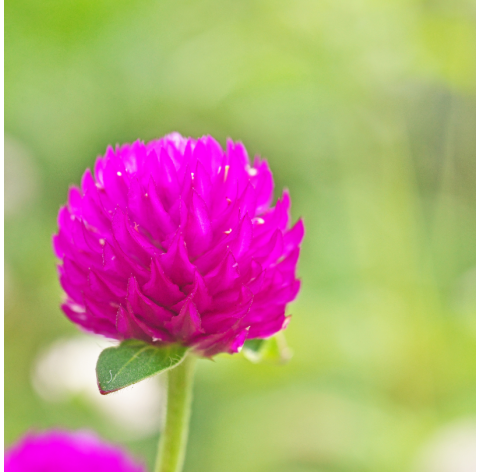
x=173 y=438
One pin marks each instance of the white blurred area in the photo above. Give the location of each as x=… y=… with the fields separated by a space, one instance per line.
x=451 y=449
x=67 y=369
x=21 y=182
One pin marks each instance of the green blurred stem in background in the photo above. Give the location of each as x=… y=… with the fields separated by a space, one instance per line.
x=173 y=438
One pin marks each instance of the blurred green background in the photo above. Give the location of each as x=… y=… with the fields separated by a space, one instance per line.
x=366 y=112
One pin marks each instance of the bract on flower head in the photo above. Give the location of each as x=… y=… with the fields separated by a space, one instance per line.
x=62 y=451
x=175 y=241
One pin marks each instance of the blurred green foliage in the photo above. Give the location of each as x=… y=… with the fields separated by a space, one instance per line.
x=365 y=110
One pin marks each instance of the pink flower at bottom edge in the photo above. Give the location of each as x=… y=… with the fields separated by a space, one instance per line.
x=62 y=451
x=176 y=241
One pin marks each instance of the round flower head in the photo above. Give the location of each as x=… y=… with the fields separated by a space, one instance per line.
x=175 y=241
x=61 y=451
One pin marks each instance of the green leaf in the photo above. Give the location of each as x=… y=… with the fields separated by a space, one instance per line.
x=272 y=350
x=133 y=361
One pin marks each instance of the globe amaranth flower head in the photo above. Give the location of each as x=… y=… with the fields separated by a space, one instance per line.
x=175 y=241
x=62 y=451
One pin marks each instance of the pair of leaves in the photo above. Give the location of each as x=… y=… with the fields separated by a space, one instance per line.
x=133 y=360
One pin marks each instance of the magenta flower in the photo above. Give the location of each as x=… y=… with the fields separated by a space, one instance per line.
x=62 y=451
x=175 y=241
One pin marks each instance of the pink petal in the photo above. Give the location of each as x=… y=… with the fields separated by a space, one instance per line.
x=198 y=229
x=176 y=262
x=186 y=324
x=160 y=288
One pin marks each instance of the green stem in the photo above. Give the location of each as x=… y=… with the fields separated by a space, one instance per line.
x=173 y=438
